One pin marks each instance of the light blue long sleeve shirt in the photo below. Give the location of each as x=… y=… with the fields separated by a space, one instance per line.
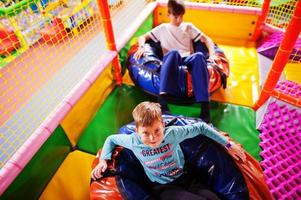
x=165 y=163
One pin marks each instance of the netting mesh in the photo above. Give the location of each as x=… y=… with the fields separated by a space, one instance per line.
x=250 y=3
x=281 y=12
x=47 y=47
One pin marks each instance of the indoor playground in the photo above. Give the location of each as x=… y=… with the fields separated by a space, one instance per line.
x=68 y=80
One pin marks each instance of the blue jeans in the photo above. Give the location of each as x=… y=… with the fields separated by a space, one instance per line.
x=197 y=65
x=185 y=187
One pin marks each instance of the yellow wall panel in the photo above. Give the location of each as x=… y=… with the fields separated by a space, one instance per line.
x=81 y=114
x=218 y=24
x=292 y=72
x=72 y=180
x=243 y=82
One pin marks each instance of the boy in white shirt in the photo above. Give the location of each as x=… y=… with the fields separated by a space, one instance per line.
x=176 y=40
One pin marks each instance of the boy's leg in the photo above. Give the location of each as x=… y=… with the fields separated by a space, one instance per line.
x=203 y=191
x=168 y=77
x=205 y=111
x=200 y=80
x=174 y=192
x=162 y=100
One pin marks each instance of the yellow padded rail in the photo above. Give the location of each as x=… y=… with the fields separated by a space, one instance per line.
x=81 y=114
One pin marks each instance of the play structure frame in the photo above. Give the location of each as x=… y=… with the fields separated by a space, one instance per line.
x=23 y=155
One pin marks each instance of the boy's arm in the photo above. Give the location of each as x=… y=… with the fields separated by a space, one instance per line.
x=141 y=42
x=106 y=153
x=112 y=141
x=99 y=169
x=200 y=128
x=196 y=35
x=210 y=46
x=142 y=39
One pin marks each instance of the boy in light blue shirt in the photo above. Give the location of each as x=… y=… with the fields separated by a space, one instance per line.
x=158 y=149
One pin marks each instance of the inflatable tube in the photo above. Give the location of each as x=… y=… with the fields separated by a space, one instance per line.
x=145 y=72
x=204 y=158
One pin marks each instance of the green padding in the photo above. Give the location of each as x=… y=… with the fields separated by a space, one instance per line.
x=114 y=113
x=38 y=172
x=144 y=28
x=237 y=121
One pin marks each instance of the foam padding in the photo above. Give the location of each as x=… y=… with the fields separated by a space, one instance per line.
x=84 y=110
x=115 y=112
x=32 y=180
x=281 y=144
x=243 y=82
x=290 y=88
x=237 y=121
x=72 y=180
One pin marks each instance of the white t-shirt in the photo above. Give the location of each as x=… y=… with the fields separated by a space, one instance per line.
x=174 y=37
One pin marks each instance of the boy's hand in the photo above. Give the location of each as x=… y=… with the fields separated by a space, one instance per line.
x=139 y=52
x=214 y=59
x=99 y=169
x=237 y=152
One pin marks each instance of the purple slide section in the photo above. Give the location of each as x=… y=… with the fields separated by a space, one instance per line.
x=281 y=145
x=269 y=45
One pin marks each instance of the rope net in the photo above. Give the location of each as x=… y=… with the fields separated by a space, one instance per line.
x=250 y=3
x=46 y=48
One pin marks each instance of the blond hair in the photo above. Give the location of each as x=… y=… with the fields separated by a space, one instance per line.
x=146 y=113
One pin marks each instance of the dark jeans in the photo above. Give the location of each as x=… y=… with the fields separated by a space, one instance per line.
x=170 y=71
x=185 y=187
